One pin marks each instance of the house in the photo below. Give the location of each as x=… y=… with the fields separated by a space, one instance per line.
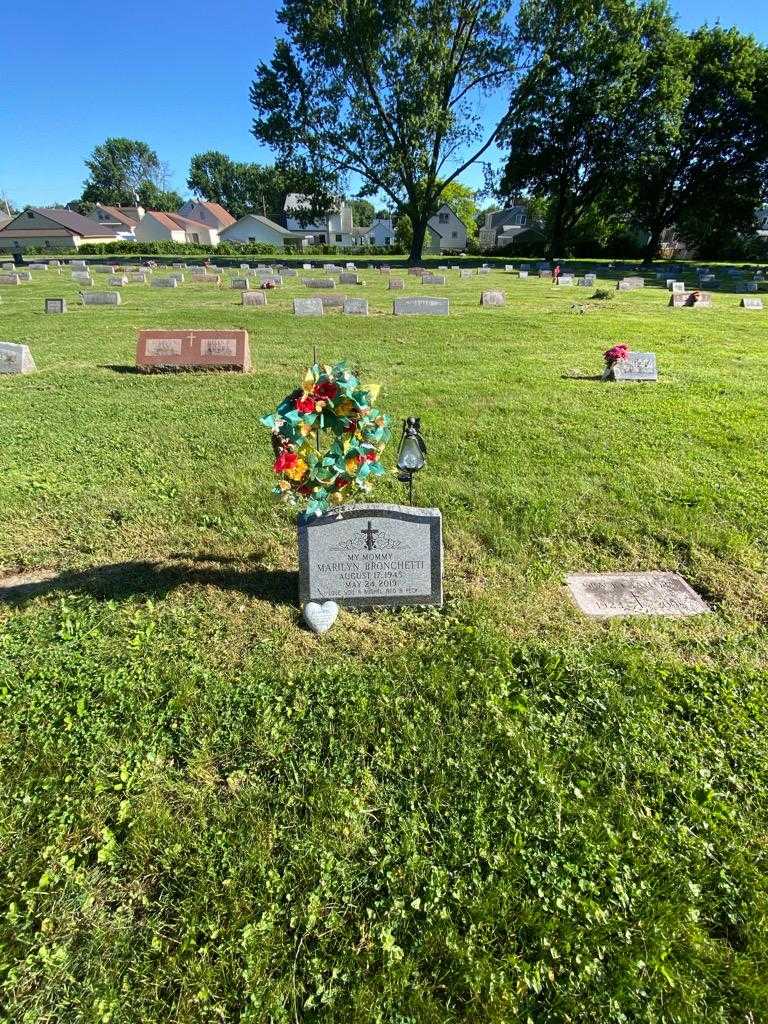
x=381 y=232
x=254 y=228
x=433 y=240
x=212 y=214
x=761 y=219
x=51 y=229
x=156 y=226
x=451 y=231
x=501 y=227
x=332 y=228
x=120 y=219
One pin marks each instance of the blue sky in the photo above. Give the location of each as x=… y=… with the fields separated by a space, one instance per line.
x=175 y=74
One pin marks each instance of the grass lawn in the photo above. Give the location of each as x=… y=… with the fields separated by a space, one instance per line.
x=498 y=811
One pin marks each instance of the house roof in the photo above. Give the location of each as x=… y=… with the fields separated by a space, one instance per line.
x=118 y=215
x=269 y=224
x=186 y=222
x=223 y=216
x=68 y=219
x=493 y=220
x=165 y=220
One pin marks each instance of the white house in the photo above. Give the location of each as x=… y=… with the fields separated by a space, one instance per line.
x=502 y=226
x=255 y=228
x=120 y=219
x=452 y=231
x=155 y=226
x=761 y=218
x=381 y=232
x=333 y=228
x=211 y=214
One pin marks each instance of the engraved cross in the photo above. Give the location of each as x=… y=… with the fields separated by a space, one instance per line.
x=370 y=536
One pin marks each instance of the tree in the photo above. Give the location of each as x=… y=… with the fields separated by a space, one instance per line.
x=362 y=212
x=404 y=231
x=705 y=167
x=461 y=198
x=153 y=198
x=118 y=167
x=386 y=90
x=245 y=188
x=597 y=80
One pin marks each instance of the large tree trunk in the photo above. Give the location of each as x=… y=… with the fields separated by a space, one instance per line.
x=419 y=234
x=651 y=250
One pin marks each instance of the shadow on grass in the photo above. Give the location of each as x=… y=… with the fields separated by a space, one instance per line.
x=115 y=368
x=581 y=376
x=156 y=579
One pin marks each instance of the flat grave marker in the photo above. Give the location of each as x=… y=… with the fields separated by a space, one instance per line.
x=395 y=283
x=55 y=305
x=607 y=595
x=418 y=305
x=637 y=366
x=193 y=350
x=369 y=554
x=100 y=298
x=308 y=307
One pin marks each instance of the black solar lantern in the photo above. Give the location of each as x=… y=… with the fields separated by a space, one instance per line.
x=412 y=454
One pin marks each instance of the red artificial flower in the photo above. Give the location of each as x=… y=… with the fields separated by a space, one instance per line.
x=367 y=457
x=325 y=389
x=285 y=460
x=613 y=355
x=351 y=427
x=341 y=483
x=305 y=404
x=305 y=489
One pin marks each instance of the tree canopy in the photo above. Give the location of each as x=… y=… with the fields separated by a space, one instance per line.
x=118 y=168
x=385 y=90
x=245 y=188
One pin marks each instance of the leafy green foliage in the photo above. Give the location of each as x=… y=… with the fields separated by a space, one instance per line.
x=704 y=167
x=362 y=212
x=153 y=198
x=244 y=188
x=386 y=91
x=117 y=170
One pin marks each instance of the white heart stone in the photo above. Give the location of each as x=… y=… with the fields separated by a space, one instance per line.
x=320 y=617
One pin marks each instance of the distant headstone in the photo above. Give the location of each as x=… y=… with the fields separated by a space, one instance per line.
x=349 y=279
x=137 y=277
x=750 y=286
x=605 y=595
x=417 y=271
x=82 y=277
x=395 y=283
x=164 y=282
x=465 y=273
x=694 y=300
x=676 y=286
x=9 y=267
x=24 y=276
x=356 y=307
x=79 y=263
x=289 y=272
x=370 y=554
x=630 y=284
x=433 y=278
x=637 y=366
x=335 y=301
x=15 y=358
x=417 y=305
x=255 y=298
x=306 y=266
x=545 y=273
x=271 y=281
x=565 y=281
x=189 y=350
x=492 y=299
x=748 y=303
x=509 y=267
x=318 y=282
x=37 y=266
x=55 y=305
x=522 y=274
x=100 y=298
x=484 y=270
x=213 y=279
x=308 y=307
x=10 y=279
x=99 y=269
x=177 y=277
x=118 y=281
